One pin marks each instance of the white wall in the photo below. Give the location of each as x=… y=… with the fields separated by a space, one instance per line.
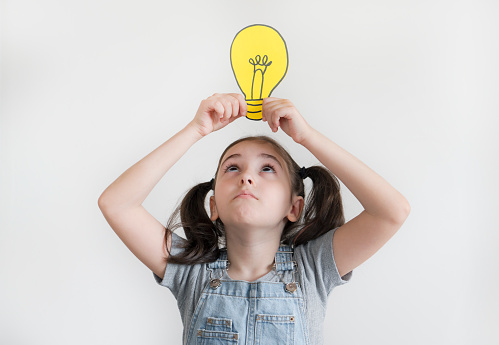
x=90 y=87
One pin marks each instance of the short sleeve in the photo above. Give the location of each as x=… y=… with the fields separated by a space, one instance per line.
x=176 y=276
x=317 y=266
x=186 y=282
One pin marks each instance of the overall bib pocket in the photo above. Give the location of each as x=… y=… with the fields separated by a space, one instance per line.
x=275 y=329
x=218 y=331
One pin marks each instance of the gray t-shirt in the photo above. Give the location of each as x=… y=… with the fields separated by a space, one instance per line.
x=316 y=272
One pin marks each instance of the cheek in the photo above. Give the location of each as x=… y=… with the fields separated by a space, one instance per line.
x=281 y=197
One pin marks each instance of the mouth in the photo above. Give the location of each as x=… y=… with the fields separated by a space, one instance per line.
x=246 y=195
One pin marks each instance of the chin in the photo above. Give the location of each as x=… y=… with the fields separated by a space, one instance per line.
x=237 y=220
x=242 y=219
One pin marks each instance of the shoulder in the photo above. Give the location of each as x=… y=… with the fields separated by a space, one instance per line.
x=177 y=274
x=316 y=262
x=317 y=246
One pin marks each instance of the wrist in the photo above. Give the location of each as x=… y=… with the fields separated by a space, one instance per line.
x=306 y=135
x=194 y=131
x=309 y=136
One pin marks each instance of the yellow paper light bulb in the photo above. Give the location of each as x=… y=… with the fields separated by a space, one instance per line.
x=259 y=59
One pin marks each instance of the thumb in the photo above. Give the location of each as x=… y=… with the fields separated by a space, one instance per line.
x=268 y=100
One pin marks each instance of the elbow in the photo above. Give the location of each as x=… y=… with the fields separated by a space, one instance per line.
x=109 y=204
x=102 y=202
x=403 y=211
x=107 y=208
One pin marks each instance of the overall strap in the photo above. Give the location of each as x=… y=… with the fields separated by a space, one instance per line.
x=221 y=262
x=284 y=258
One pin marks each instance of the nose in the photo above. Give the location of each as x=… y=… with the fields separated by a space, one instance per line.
x=246 y=179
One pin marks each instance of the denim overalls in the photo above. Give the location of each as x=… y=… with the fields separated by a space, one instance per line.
x=250 y=313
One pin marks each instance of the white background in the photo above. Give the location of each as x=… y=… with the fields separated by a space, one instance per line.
x=88 y=88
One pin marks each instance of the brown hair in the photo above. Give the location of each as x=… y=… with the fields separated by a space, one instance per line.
x=323 y=211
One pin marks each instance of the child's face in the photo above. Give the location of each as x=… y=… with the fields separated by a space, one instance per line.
x=253 y=188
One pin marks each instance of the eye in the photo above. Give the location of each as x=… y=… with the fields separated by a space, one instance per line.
x=268 y=168
x=230 y=168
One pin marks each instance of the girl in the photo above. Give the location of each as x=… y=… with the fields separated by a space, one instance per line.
x=255 y=271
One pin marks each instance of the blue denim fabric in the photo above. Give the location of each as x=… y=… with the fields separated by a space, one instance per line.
x=250 y=313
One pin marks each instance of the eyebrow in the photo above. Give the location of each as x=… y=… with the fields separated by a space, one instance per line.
x=264 y=155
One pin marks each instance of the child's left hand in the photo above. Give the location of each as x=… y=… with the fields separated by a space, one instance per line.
x=282 y=113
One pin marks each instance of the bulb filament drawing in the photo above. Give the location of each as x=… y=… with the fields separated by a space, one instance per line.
x=259 y=68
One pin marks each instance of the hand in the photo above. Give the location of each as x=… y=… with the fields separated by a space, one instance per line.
x=282 y=113
x=218 y=111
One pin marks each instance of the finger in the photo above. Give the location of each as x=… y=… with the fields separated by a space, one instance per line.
x=268 y=112
x=235 y=106
x=243 y=107
x=269 y=119
x=265 y=111
x=241 y=104
x=269 y=99
x=278 y=113
x=234 y=118
x=219 y=109
x=274 y=125
x=277 y=122
x=272 y=103
x=228 y=110
x=274 y=121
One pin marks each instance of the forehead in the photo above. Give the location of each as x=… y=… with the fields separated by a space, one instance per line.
x=249 y=148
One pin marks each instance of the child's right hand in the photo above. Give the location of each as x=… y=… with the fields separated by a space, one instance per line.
x=218 y=111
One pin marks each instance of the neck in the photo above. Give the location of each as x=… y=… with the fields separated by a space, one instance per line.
x=251 y=253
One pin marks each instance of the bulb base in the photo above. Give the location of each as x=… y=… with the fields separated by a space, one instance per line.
x=254 y=109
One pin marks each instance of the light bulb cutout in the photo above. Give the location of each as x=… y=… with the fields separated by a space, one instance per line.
x=259 y=59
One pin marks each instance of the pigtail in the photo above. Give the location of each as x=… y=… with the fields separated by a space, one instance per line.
x=202 y=235
x=324 y=209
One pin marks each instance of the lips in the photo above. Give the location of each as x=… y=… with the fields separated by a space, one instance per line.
x=246 y=195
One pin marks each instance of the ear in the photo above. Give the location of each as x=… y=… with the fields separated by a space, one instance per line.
x=296 y=209
x=213 y=209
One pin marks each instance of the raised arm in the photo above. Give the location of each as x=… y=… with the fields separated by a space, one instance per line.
x=121 y=202
x=385 y=209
